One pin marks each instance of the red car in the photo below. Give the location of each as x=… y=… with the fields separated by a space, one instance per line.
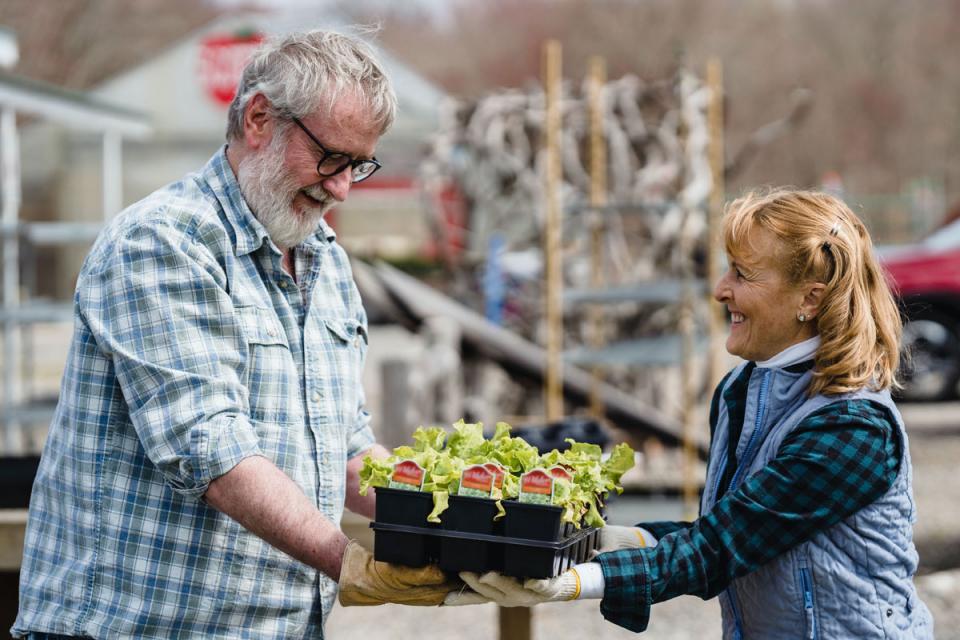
x=926 y=277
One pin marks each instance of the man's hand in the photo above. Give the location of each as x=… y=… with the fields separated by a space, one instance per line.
x=364 y=581
x=510 y=592
x=614 y=538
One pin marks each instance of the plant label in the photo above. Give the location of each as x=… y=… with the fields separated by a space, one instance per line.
x=498 y=474
x=561 y=472
x=476 y=481
x=407 y=475
x=536 y=487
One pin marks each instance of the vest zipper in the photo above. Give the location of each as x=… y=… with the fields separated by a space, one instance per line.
x=743 y=463
x=807 y=585
x=748 y=453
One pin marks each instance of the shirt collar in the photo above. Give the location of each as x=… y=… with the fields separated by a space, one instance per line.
x=249 y=232
x=793 y=354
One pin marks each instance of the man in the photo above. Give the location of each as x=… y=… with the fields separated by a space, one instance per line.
x=211 y=423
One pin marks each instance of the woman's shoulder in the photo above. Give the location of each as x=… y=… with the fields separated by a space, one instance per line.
x=852 y=410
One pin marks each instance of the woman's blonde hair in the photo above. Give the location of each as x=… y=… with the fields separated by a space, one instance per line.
x=858 y=321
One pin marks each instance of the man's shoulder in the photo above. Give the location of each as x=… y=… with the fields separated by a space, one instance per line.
x=181 y=210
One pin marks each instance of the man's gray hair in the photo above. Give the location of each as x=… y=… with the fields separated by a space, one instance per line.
x=302 y=72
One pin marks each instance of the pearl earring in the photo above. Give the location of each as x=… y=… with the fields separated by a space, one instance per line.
x=802 y=318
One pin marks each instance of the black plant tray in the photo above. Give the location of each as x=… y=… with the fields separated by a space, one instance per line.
x=529 y=542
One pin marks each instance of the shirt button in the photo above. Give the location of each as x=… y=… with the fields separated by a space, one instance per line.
x=271 y=332
x=316 y=396
x=283 y=284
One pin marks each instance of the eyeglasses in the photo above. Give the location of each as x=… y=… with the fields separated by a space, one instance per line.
x=331 y=163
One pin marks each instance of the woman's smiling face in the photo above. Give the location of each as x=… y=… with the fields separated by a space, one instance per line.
x=763 y=306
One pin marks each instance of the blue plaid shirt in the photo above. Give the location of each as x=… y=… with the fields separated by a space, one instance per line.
x=837 y=461
x=192 y=350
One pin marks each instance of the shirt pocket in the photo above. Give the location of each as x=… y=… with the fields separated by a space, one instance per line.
x=271 y=375
x=346 y=351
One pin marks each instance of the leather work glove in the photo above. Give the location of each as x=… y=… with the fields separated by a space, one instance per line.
x=614 y=538
x=510 y=592
x=364 y=581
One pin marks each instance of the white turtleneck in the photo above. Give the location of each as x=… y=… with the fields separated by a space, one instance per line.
x=793 y=354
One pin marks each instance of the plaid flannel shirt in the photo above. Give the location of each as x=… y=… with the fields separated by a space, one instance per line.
x=838 y=460
x=192 y=350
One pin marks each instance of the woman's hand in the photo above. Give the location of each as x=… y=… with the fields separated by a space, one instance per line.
x=614 y=538
x=510 y=592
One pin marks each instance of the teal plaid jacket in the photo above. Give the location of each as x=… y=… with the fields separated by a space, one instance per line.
x=837 y=461
x=192 y=350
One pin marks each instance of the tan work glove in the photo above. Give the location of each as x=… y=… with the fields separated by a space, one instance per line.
x=510 y=592
x=614 y=538
x=364 y=581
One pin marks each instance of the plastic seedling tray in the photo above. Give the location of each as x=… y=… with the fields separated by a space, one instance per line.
x=535 y=521
x=529 y=542
x=404 y=508
x=472 y=516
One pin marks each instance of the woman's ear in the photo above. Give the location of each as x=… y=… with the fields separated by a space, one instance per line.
x=812 y=299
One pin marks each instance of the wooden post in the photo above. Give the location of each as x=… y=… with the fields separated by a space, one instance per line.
x=688 y=392
x=515 y=623
x=598 y=199
x=552 y=231
x=714 y=253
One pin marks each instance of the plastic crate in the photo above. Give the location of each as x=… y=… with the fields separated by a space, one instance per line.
x=530 y=541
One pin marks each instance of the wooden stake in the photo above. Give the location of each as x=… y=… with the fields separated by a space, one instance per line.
x=552 y=233
x=598 y=199
x=716 y=324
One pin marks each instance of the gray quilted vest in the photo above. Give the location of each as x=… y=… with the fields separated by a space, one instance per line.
x=853 y=580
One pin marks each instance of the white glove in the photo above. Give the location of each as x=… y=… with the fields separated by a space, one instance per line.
x=614 y=538
x=510 y=592
x=464 y=596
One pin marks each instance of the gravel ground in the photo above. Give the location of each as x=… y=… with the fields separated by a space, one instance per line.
x=935 y=448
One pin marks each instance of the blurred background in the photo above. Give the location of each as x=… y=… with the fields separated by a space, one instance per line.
x=665 y=109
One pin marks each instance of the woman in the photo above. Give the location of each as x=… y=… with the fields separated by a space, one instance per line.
x=807 y=511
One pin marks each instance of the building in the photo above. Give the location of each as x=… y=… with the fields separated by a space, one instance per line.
x=184 y=89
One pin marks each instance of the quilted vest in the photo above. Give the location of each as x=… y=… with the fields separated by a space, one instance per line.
x=852 y=580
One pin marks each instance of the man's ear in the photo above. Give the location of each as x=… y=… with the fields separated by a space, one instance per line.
x=812 y=299
x=258 y=123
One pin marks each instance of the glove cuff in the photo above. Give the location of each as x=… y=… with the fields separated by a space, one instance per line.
x=571 y=594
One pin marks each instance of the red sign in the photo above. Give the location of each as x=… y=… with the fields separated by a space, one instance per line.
x=222 y=59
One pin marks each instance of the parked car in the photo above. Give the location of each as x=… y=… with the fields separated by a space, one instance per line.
x=926 y=278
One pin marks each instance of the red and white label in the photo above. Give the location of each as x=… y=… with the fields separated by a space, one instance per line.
x=498 y=473
x=561 y=473
x=476 y=481
x=536 y=487
x=407 y=473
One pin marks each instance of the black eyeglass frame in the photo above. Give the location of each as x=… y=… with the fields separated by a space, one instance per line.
x=347 y=161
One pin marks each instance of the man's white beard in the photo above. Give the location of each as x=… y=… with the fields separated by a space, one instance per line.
x=269 y=190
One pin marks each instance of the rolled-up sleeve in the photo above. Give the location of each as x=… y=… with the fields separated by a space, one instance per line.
x=157 y=303
x=361 y=436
